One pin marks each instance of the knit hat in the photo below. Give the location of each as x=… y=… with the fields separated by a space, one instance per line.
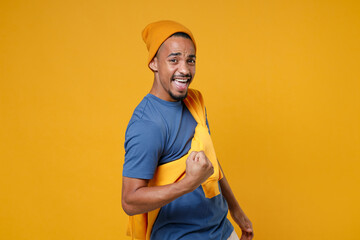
x=156 y=33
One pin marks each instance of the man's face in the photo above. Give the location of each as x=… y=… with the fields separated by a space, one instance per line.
x=174 y=68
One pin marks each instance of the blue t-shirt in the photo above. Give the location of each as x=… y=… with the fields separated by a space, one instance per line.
x=159 y=132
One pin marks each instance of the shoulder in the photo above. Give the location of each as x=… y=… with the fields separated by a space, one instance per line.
x=146 y=113
x=143 y=127
x=145 y=122
x=143 y=140
x=140 y=109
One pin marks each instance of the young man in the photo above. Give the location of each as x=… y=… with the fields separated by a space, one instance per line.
x=173 y=186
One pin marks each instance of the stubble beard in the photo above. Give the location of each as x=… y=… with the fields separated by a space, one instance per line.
x=178 y=98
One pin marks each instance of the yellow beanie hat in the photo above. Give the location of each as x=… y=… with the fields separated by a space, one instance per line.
x=156 y=33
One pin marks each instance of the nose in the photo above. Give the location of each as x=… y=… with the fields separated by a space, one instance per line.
x=184 y=68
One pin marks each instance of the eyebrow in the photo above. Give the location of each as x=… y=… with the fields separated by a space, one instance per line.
x=178 y=54
x=174 y=54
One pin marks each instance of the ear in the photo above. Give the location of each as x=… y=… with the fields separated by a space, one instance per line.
x=153 y=65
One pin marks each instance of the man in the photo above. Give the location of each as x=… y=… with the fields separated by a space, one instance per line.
x=173 y=187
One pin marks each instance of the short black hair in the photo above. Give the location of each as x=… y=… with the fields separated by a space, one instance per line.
x=181 y=34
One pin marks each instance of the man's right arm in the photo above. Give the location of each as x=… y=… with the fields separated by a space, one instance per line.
x=138 y=197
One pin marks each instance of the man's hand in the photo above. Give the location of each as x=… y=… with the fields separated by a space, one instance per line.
x=244 y=223
x=198 y=168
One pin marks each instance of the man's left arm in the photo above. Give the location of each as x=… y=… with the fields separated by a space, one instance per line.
x=235 y=210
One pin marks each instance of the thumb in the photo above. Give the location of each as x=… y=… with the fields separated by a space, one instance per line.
x=248 y=228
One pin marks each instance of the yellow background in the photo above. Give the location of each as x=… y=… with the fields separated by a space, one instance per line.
x=281 y=83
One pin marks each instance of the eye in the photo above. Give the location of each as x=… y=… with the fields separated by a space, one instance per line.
x=173 y=60
x=191 y=61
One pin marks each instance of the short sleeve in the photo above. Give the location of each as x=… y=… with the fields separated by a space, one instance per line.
x=144 y=143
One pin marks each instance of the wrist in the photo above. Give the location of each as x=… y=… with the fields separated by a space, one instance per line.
x=189 y=184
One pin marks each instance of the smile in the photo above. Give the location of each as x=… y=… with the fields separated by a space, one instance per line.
x=181 y=84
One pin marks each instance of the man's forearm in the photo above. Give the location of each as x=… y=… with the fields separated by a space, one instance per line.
x=145 y=199
x=235 y=210
x=228 y=195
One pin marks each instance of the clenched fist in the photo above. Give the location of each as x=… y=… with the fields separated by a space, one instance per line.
x=198 y=168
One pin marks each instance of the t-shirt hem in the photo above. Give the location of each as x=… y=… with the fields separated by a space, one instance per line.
x=229 y=231
x=136 y=175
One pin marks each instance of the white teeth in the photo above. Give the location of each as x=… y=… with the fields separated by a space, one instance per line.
x=181 y=80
